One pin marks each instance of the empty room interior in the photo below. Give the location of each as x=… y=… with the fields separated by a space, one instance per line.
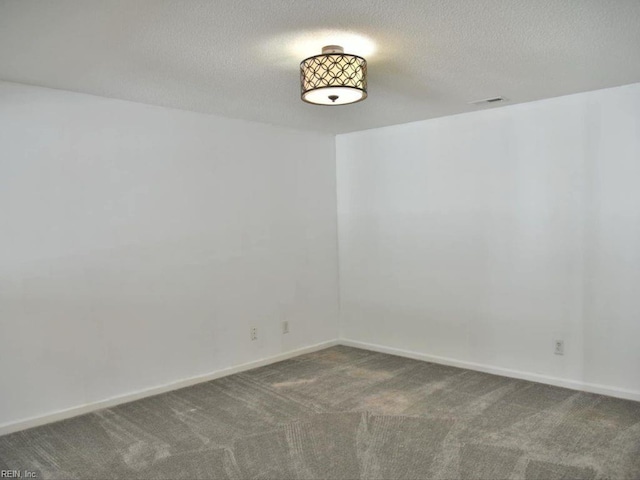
x=294 y=239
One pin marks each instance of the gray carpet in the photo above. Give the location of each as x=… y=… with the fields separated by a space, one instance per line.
x=344 y=413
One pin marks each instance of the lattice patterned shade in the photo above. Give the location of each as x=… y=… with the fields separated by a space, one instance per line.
x=333 y=78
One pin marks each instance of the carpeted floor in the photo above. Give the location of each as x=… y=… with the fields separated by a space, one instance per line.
x=344 y=413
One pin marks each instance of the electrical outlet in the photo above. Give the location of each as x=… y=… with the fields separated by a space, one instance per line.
x=285 y=326
x=559 y=347
x=254 y=333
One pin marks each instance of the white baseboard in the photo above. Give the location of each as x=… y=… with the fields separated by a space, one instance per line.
x=129 y=397
x=533 y=377
x=111 y=402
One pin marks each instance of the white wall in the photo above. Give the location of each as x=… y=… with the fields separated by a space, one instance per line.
x=481 y=238
x=138 y=244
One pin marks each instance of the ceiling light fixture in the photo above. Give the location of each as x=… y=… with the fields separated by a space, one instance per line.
x=333 y=78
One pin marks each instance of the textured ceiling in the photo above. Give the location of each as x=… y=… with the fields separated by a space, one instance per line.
x=239 y=58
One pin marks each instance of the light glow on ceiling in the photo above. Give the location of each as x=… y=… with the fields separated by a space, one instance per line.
x=288 y=49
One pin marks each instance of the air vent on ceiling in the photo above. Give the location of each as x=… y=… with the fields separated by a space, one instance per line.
x=485 y=101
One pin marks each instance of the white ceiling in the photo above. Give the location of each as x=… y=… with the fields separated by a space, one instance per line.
x=240 y=58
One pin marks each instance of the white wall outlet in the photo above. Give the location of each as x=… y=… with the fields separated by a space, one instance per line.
x=285 y=326
x=559 y=347
x=254 y=333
